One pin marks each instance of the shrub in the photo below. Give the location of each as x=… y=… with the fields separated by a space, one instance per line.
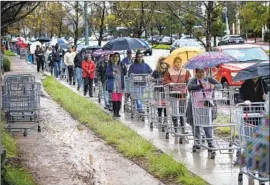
x=9 y=53
x=6 y=64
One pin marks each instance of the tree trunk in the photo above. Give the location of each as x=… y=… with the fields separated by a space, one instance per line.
x=215 y=40
x=209 y=25
x=255 y=36
x=101 y=28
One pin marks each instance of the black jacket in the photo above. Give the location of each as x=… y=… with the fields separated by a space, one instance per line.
x=56 y=55
x=78 y=59
x=101 y=70
x=39 y=53
x=247 y=91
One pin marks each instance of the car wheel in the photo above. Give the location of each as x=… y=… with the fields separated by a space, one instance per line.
x=150 y=53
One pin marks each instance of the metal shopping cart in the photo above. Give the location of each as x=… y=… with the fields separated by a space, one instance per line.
x=23 y=53
x=140 y=92
x=21 y=103
x=157 y=105
x=211 y=111
x=176 y=103
x=252 y=142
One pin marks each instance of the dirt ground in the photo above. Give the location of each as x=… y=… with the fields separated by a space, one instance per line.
x=67 y=153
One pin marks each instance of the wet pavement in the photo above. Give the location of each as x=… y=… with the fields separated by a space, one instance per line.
x=66 y=152
x=218 y=171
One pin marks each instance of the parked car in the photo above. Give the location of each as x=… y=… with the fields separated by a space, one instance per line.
x=167 y=40
x=245 y=55
x=155 y=39
x=231 y=39
x=148 y=49
x=186 y=42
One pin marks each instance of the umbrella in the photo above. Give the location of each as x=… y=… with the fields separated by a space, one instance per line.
x=124 y=44
x=259 y=69
x=208 y=60
x=101 y=52
x=60 y=41
x=43 y=39
x=185 y=53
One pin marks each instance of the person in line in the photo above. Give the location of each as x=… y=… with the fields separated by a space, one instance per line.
x=101 y=73
x=88 y=74
x=202 y=85
x=48 y=59
x=69 y=62
x=78 y=65
x=139 y=67
x=253 y=90
x=115 y=73
x=39 y=58
x=56 y=57
x=158 y=75
x=128 y=59
x=177 y=74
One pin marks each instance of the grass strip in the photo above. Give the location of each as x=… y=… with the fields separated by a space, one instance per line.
x=9 y=53
x=161 y=46
x=13 y=172
x=125 y=140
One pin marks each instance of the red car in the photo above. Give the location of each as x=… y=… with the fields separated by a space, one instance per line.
x=245 y=54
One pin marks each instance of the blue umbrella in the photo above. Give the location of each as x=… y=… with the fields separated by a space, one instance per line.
x=259 y=69
x=60 y=41
x=208 y=60
x=125 y=43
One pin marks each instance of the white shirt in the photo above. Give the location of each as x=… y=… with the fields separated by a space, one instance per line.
x=69 y=58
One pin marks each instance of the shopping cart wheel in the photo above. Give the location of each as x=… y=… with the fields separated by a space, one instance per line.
x=31 y=119
x=39 y=128
x=240 y=177
x=151 y=126
x=131 y=116
x=167 y=135
x=99 y=100
x=211 y=154
x=180 y=140
x=25 y=133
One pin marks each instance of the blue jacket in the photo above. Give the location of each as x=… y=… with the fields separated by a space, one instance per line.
x=110 y=77
x=127 y=61
x=141 y=68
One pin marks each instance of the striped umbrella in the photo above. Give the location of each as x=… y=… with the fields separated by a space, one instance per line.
x=208 y=60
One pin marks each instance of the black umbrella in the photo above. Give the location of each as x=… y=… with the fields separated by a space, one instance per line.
x=258 y=69
x=124 y=44
x=43 y=39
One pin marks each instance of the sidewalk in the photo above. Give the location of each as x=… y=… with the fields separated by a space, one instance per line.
x=220 y=171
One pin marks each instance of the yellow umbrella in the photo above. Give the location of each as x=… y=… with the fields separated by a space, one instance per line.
x=185 y=53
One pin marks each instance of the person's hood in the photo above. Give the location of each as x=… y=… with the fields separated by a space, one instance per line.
x=83 y=50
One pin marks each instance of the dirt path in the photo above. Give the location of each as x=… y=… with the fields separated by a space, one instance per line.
x=68 y=153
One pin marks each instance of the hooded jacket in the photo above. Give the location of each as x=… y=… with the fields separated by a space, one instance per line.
x=78 y=59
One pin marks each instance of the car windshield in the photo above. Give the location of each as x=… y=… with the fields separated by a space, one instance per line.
x=186 y=43
x=247 y=54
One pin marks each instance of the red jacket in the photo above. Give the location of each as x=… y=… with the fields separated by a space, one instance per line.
x=88 y=69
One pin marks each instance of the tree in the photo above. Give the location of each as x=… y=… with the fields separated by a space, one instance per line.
x=74 y=19
x=254 y=15
x=205 y=19
x=135 y=15
x=16 y=10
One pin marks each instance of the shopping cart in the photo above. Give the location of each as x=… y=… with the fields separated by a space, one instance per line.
x=249 y=119
x=140 y=92
x=127 y=100
x=23 y=53
x=21 y=102
x=176 y=103
x=211 y=111
x=157 y=105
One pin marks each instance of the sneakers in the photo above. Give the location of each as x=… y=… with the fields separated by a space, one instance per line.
x=210 y=145
x=73 y=83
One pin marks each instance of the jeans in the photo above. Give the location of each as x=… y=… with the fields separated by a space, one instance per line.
x=57 y=68
x=79 y=76
x=207 y=130
x=139 y=93
x=105 y=94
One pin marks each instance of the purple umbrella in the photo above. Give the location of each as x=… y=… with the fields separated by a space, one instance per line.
x=101 y=52
x=208 y=60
